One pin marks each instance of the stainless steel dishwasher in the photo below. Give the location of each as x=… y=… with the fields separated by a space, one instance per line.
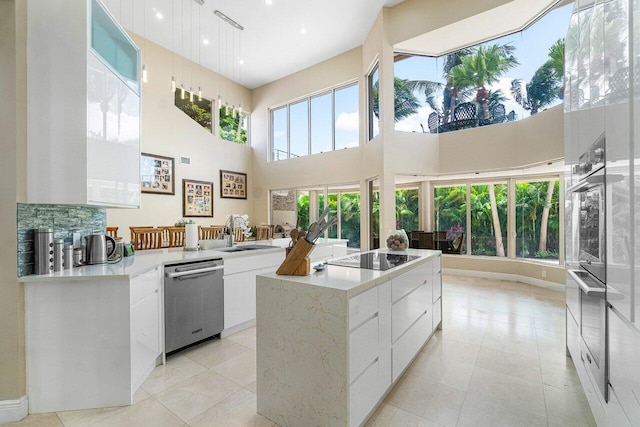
x=193 y=302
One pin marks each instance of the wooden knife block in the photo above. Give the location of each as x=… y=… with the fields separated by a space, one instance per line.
x=297 y=262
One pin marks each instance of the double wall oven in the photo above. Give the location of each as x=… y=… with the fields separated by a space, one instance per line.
x=586 y=275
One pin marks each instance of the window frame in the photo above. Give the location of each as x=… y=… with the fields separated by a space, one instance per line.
x=308 y=98
x=370 y=113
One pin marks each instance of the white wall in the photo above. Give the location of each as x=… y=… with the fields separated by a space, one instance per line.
x=167 y=131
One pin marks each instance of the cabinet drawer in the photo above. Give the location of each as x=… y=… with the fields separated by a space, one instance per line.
x=437 y=286
x=437 y=313
x=363 y=347
x=407 y=282
x=144 y=285
x=408 y=345
x=406 y=311
x=362 y=307
x=363 y=395
x=437 y=264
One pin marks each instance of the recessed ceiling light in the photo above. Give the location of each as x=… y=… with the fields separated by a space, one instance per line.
x=159 y=15
x=303 y=30
x=268 y=2
x=205 y=41
x=241 y=62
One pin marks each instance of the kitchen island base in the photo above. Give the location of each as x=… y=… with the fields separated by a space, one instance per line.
x=331 y=345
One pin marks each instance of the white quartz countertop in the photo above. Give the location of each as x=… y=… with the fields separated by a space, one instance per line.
x=356 y=280
x=146 y=260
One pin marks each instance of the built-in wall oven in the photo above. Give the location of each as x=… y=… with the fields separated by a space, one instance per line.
x=589 y=198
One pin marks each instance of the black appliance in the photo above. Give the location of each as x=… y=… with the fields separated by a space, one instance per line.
x=374 y=260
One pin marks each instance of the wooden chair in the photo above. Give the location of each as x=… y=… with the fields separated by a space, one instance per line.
x=112 y=232
x=176 y=237
x=132 y=230
x=207 y=233
x=425 y=240
x=238 y=235
x=146 y=238
x=264 y=232
x=166 y=237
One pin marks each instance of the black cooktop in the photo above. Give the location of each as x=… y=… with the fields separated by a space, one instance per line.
x=374 y=260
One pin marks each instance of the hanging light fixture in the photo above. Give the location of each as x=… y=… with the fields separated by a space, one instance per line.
x=173 y=50
x=144 y=47
x=229 y=74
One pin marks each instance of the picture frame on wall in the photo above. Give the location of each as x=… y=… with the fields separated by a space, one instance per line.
x=233 y=185
x=157 y=174
x=197 y=198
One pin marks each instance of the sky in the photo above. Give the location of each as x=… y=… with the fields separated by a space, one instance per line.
x=532 y=48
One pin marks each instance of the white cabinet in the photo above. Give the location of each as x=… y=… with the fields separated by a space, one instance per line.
x=83 y=102
x=145 y=325
x=240 y=288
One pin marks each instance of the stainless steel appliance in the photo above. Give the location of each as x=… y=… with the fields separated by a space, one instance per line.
x=97 y=250
x=373 y=260
x=43 y=250
x=193 y=303
x=588 y=304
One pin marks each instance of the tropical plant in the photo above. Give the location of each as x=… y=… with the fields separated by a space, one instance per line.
x=302 y=208
x=405 y=102
x=407 y=209
x=482 y=68
x=232 y=128
x=199 y=111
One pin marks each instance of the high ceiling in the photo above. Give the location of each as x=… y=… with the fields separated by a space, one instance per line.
x=278 y=39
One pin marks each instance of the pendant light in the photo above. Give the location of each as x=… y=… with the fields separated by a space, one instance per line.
x=144 y=46
x=173 y=50
x=232 y=26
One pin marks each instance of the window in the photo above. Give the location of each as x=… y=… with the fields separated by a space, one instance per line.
x=303 y=209
x=299 y=128
x=279 y=134
x=234 y=129
x=374 y=102
x=489 y=219
x=325 y=122
x=450 y=209
x=407 y=209
x=199 y=110
x=350 y=218
x=537 y=219
x=502 y=80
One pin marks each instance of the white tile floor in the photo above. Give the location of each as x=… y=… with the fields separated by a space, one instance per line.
x=499 y=361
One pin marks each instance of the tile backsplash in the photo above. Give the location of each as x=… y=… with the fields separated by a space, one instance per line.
x=64 y=219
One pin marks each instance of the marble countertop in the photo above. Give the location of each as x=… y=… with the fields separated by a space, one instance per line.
x=144 y=261
x=356 y=280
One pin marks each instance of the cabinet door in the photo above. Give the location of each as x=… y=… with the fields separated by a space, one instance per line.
x=145 y=325
x=624 y=369
x=113 y=138
x=240 y=297
x=636 y=161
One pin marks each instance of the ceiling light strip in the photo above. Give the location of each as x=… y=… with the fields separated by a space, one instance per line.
x=228 y=20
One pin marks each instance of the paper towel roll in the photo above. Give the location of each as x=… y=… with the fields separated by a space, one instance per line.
x=191 y=236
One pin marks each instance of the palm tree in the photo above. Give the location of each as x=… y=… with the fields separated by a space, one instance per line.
x=483 y=67
x=405 y=102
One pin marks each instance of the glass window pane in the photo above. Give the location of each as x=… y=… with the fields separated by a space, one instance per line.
x=332 y=200
x=537 y=219
x=489 y=219
x=407 y=209
x=299 y=129
x=350 y=218
x=321 y=128
x=199 y=111
x=346 y=117
x=233 y=129
x=450 y=209
x=279 y=133
x=303 y=209
x=374 y=102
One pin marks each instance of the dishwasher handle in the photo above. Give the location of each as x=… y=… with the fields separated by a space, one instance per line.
x=194 y=272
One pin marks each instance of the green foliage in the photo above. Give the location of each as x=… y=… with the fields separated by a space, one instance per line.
x=199 y=111
x=530 y=202
x=407 y=209
x=483 y=241
x=350 y=218
x=233 y=129
x=303 y=210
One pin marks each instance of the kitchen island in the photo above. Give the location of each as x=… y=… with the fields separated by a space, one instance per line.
x=332 y=344
x=93 y=334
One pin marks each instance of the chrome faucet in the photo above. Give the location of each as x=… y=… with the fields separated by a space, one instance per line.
x=231 y=232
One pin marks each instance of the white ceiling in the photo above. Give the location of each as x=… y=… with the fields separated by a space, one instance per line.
x=271 y=45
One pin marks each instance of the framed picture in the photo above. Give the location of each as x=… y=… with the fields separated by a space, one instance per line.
x=157 y=174
x=197 y=198
x=233 y=185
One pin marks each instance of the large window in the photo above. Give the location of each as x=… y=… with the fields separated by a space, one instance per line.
x=198 y=109
x=450 y=209
x=537 y=219
x=234 y=127
x=489 y=219
x=373 y=99
x=407 y=209
x=350 y=218
x=498 y=81
x=325 y=122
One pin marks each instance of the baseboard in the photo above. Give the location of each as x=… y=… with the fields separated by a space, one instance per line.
x=14 y=410
x=505 y=276
x=237 y=328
